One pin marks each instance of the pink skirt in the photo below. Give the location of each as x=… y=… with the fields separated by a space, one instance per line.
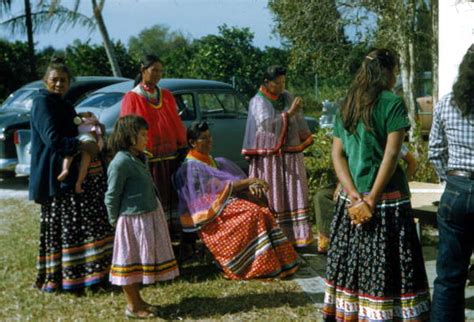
x=142 y=250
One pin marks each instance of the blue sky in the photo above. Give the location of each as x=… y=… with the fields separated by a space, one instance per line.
x=195 y=18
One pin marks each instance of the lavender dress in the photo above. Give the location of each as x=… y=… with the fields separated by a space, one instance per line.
x=274 y=143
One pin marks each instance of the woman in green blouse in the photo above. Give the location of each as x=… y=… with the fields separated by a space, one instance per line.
x=375 y=268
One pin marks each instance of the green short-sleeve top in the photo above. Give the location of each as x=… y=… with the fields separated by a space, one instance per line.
x=365 y=148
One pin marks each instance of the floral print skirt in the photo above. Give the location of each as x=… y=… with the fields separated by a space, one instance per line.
x=376 y=272
x=76 y=240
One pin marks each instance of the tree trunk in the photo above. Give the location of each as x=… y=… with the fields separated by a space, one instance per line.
x=31 y=43
x=408 y=68
x=434 y=51
x=406 y=65
x=109 y=48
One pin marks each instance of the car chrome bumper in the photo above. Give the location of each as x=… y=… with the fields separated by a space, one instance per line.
x=8 y=164
x=22 y=169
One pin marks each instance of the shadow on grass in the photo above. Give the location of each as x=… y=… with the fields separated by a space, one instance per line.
x=197 y=272
x=205 y=307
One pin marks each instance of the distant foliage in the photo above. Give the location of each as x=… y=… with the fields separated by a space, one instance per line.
x=173 y=48
x=91 y=60
x=229 y=57
x=14 y=68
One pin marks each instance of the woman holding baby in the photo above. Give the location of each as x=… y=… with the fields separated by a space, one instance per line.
x=75 y=237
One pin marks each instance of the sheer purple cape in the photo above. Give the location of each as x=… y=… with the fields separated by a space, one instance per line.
x=204 y=190
x=271 y=131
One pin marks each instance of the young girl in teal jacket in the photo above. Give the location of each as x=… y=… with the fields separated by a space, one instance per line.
x=142 y=248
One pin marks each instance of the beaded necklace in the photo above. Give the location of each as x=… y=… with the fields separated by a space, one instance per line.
x=155 y=99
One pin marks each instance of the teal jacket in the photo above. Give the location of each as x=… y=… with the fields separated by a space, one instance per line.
x=130 y=188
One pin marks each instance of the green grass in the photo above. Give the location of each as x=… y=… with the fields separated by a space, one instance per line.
x=201 y=293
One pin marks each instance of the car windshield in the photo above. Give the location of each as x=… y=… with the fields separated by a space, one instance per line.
x=101 y=100
x=21 y=99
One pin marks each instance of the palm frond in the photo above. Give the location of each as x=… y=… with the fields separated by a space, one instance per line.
x=45 y=20
x=5 y=5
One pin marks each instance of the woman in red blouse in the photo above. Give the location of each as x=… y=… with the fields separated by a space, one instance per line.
x=166 y=132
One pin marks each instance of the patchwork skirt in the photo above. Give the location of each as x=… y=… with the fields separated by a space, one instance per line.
x=76 y=239
x=142 y=250
x=247 y=243
x=376 y=272
x=288 y=193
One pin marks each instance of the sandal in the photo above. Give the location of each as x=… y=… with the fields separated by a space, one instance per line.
x=145 y=314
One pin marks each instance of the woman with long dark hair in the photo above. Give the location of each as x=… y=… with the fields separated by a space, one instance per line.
x=166 y=133
x=451 y=152
x=375 y=268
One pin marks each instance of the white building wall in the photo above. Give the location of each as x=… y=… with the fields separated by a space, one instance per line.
x=456 y=34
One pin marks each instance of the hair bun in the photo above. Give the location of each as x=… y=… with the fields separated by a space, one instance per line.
x=57 y=60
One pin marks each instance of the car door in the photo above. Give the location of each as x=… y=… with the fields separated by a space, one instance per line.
x=226 y=115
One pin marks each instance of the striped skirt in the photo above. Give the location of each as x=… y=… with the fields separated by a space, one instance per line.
x=76 y=239
x=247 y=243
x=376 y=272
x=288 y=193
x=142 y=250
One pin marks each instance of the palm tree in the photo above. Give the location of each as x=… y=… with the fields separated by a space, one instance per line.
x=50 y=13
x=97 y=7
x=28 y=25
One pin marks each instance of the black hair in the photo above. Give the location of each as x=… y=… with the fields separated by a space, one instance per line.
x=145 y=63
x=272 y=72
x=463 y=88
x=374 y=76
x=57 y=63
x=194 y=131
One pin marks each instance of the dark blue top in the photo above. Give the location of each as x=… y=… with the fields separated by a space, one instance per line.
x=53 y=136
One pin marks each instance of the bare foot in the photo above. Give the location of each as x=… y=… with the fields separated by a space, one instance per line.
x=78 y=187
x=63 y=175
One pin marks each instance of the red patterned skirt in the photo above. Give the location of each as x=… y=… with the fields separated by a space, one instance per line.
x=247 y=243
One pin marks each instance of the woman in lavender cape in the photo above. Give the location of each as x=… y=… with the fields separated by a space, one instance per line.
x=228 y=211
x=275 y=136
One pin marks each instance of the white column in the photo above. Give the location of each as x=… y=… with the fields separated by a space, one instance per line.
x=456 y=34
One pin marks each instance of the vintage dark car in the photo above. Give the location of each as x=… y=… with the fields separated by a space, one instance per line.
x=216 y=102
x=15 y=113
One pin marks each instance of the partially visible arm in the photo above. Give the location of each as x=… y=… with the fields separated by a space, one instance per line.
x=387 y=167
x=341 y=167
x=411 y=165
x=113 y=196
x=438 y=144
x=178 y=124
x=44 y=120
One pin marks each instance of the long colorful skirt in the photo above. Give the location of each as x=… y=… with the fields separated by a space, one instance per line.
x=76 y=240
x=376 y=272
x=142 y=250
x=288 y=193
x=247 y=243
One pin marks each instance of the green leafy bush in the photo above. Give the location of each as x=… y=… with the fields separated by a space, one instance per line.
x=424 y=171
x=318 y=161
